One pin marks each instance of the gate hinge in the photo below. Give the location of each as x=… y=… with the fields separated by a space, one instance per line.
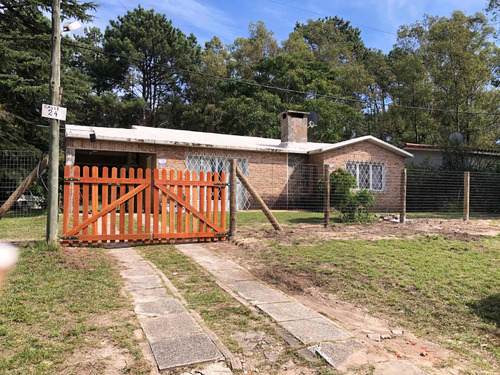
x=71 y=179
x=221 y=183
x=221 y=234
x=69 y=238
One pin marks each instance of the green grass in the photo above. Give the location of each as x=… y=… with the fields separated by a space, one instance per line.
x=57 y=309
x=444 y=289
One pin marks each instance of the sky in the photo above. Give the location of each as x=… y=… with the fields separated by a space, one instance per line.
x=378 y=20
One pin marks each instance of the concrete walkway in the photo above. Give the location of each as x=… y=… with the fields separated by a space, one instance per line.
x=325 y=338
x=175 y=338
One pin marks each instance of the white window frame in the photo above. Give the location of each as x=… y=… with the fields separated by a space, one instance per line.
x=371 y=165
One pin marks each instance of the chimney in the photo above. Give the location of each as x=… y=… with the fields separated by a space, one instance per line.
x=293 y=127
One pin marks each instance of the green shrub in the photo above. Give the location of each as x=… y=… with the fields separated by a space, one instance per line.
x=353 y=206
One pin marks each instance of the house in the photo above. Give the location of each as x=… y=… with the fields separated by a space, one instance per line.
x=277 y=168
x=433 y=155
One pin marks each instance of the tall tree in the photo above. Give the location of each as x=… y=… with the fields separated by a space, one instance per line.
x=154 y=54
x=457 y=52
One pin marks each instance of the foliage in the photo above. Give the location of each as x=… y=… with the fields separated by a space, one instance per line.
x=353 y=206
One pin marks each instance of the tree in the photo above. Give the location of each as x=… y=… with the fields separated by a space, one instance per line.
x=246 y=52
x=154 y=55
x=457 y=54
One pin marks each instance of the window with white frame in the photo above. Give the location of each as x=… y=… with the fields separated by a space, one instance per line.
x=370 y=176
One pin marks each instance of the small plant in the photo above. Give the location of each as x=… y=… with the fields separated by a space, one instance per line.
x=353 y=206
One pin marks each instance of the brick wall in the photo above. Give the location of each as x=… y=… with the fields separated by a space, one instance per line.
x=390 y=198
x=268 y=171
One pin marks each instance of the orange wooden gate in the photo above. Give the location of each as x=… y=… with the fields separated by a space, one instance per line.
x=117 y=209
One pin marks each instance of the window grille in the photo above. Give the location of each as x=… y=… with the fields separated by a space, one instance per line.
x=370 y=176
x=219 y=164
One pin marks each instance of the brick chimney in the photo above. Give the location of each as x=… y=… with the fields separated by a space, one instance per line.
x=293 y=127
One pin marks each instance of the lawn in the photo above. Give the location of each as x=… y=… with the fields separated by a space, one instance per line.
x=444 y=289
x=62 y=312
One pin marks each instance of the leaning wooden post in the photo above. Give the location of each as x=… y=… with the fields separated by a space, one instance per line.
x=232 y=198
x=326 y=174
x=404 y=179
x=466 y=195
x=23 y=187
x=258 y=199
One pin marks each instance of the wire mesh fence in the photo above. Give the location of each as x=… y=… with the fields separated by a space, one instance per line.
x=442 y=193
x=15 y=166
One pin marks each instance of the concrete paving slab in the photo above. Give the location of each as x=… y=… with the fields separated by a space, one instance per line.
x=184 y=350
x=219 y=265
x=138 y=271
x=257 y=292
x=174 y=325
x=135 y=264
x=150 y=280
x=140 y=286
x=234 y=274
x=396 y=367
x=317 y=330
x=282 y=312
x=150 y=295
x=160 y=308
x=337 y=353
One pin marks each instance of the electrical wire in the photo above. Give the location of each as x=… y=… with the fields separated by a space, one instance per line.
x=260 y=85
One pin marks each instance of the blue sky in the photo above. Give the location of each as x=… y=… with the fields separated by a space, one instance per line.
x=378 y=19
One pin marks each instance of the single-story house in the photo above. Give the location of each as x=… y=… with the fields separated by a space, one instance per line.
x=433 y=155
x=272 y=165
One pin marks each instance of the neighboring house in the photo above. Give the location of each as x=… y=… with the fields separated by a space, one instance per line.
x=272 y=165
x=433 y=155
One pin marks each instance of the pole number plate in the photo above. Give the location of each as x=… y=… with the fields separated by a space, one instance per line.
x=54 y=112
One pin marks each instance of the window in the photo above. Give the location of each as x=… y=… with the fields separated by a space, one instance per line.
x=370 y=176
x=209 y=163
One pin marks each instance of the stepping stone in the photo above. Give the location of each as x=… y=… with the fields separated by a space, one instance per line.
x=184 y=351
x=172 y=326
x=282 y=312
x=160 y=308
x=396 y=367
x=257 y=292
x=310 y=331
x=234 y=274
x=150 y=295
x=337 y=353
x=137 y=271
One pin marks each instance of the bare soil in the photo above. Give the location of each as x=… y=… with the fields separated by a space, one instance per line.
x=403 y=344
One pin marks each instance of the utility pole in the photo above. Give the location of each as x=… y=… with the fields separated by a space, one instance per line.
x=55 y=78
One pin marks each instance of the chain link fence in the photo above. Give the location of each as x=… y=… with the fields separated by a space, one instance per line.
x=15 y=166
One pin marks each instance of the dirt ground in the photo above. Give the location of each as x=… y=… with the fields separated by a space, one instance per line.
x=402 y=344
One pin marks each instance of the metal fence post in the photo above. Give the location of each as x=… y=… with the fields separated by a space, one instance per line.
x=326 y=169
x=232 y=198
x=466 y=195
x=404 y=179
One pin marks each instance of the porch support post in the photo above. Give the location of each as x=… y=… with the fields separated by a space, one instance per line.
x=404 y=179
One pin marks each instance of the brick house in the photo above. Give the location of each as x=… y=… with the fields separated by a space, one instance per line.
x=277 y=168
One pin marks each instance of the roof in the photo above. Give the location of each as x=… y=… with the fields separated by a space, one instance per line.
x=175 y=137
x=417 y=146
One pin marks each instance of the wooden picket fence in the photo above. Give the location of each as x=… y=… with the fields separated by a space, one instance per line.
x=142 y=206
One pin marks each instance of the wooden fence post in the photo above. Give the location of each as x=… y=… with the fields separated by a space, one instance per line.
x=404 y=179
x=326 y=173
x=466 y=195
x=258 y=200
x=232 y=198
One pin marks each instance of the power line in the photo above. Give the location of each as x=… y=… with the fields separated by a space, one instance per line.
x=255 y=84
x=324 y=15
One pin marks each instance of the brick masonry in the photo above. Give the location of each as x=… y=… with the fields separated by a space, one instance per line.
x=270 y=171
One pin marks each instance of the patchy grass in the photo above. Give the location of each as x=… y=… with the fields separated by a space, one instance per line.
x=221 y=312
x=31 y=227
x=61 y=312
x=444 y=289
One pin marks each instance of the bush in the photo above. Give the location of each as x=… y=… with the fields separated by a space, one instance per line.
x=353 y=206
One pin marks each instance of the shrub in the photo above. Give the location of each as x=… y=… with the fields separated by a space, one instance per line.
x=353 y=206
